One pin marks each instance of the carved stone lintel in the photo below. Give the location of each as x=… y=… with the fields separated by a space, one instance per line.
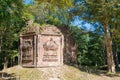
x=51 y=30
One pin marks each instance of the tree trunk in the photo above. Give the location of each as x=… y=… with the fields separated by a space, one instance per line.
x=5 y=63
x=116 y=56
x=108 y=43
x=0 y=43
x=116 y=49
x=0 y=47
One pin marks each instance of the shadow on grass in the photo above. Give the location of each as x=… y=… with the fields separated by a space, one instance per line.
x=6 y=76
x=101 y=71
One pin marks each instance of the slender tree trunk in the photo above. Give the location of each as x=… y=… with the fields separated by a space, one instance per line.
x=116 y=50
x=0 y=46
x=108 y=43
x=114 y=45
x=116 y=56
x=0 y=43
x=5 y=63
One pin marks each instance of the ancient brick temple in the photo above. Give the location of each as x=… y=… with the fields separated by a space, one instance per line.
x=42 y=47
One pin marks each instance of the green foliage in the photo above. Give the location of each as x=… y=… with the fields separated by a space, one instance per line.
x=104 y=12
x=47 y=12
x=101 y=9
x=28 y=16
x=61 y=4
x=90 y=47
x=10 y=24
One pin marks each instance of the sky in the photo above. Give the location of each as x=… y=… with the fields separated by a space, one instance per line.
x=27 y=1
x=81 y=23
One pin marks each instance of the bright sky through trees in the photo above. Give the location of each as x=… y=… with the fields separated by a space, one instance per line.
x=27 y=1
x=83 y=24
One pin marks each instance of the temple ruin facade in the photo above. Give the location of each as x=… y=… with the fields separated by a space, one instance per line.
x=43 y=47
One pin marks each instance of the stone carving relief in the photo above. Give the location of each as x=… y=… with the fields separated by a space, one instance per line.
x=50 y=51
x=51 y=30
x=27 y=51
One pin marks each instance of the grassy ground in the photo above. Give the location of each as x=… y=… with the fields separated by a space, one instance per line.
x=60 y=73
